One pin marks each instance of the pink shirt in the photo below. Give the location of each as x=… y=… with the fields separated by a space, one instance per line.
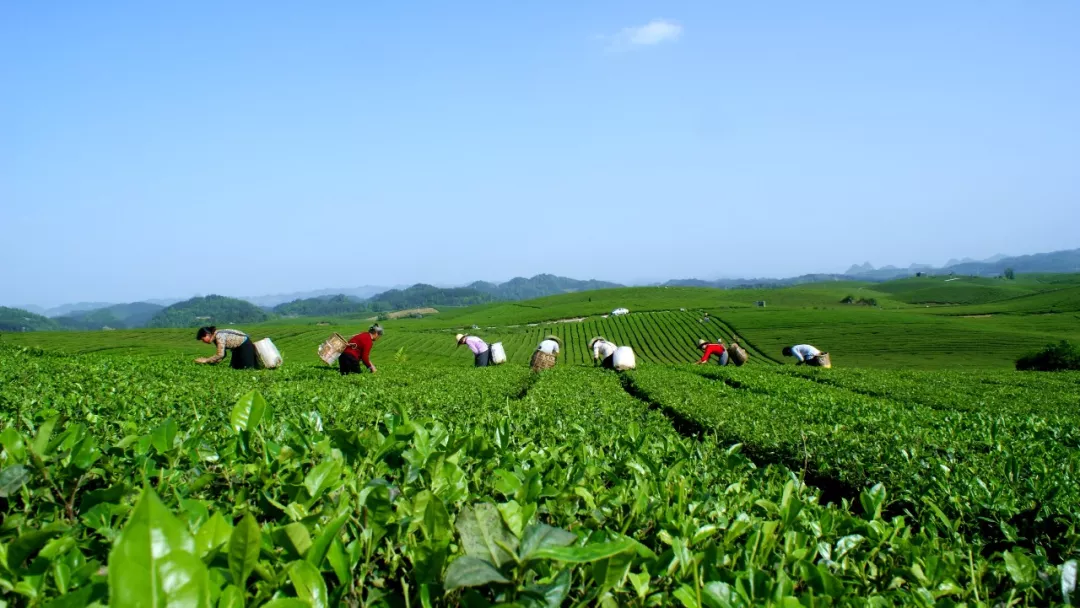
x=476 y=345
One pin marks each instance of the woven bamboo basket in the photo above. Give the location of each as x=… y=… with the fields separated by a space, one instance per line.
x=330 y=350
x=737 y=354
x=541 y=361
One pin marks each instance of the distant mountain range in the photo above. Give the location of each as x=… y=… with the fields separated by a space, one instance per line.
x=417 y=296
x=541 y=285
x=266 y=301
x=359 y=293
x=81 y=308
x=421 y=295
x=1056 y=261
x=117 y=316
x=758 y=283
x=221 y=310
x=67 y=309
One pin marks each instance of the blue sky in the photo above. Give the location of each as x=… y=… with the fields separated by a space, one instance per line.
x=167 y=149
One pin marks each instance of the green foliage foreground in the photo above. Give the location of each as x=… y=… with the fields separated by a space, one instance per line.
x=131 y=481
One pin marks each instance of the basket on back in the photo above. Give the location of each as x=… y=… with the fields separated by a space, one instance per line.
x=737 y=354
x=498 y=354
x=822 y=360
x=267 y=355
x=330 y=350
x=541 y=361
x=624 y=358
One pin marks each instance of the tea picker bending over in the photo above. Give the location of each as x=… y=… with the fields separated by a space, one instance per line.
x=712 y=348
x=233 y=340
x=603 y=352
x=479 y=348
x=359 y=349
x=546 y=352
x=803 y=353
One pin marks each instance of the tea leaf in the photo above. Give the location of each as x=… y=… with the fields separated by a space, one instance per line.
x=153 y=563
x=244 y=546
x=469 y=571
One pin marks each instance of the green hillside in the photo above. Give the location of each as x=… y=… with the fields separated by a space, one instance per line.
x=209 y=310
x=661 y=337
x=646 y=299
x=19 y=320
x=893 y=335
x=1059 y=300
x=897 y=339
x=940 y=290
x=485 y=303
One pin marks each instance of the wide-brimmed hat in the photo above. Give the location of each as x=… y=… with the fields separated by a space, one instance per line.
x=555 y=338
x=701 y=343
x=458 y=338
x=595 y=340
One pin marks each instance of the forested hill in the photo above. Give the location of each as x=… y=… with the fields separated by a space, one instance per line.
x=17 y=319
x=421 y=295
x=322 y=306
x=520 y=288
x=209 y=310
x=417 y=296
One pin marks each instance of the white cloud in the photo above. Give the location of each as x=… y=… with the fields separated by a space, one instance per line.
x=652 y=33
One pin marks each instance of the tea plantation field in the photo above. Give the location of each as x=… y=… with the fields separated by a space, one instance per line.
x=144 y=480
x=966 y=331
x=921 y=470
x=658 y=337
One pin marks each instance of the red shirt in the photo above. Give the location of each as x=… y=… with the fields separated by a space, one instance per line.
x=710 y=350
x=359 y=348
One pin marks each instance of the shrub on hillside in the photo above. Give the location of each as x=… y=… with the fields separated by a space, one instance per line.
x=1054 y=357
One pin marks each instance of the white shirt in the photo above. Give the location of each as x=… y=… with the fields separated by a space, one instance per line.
x=550 y=347
x=802 y=352
x=603 y=349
